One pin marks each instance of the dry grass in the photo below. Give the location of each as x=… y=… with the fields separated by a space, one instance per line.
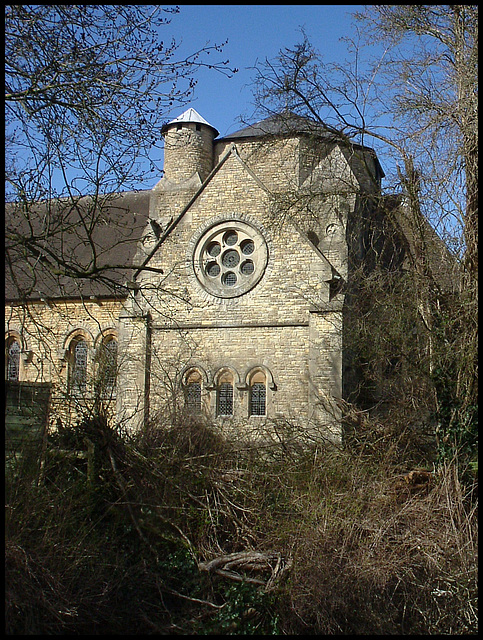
x=370 y=557
x=342 y=546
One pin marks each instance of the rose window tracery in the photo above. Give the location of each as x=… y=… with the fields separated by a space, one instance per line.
x=230 y=258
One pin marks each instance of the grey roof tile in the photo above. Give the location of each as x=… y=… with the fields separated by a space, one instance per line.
x=110 y=246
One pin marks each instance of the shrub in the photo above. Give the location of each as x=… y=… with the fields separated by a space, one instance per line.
x=366 y=556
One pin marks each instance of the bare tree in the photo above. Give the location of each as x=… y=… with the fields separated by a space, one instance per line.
x=87 y=90
x=416 y=103
x=436 y=99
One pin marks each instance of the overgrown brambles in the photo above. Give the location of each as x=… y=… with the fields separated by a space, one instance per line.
x=300 y=540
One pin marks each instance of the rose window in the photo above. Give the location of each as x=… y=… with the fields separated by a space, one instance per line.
x=230 y=258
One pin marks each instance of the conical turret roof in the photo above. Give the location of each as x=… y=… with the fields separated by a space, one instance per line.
x=190 y=115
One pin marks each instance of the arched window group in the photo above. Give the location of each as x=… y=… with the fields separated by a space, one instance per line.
x=82 y=375
x=224 y=385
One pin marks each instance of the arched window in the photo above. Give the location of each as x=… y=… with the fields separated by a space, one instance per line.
x=258 y=395
x=224 y=395
x=13 y=360
x=192 y=393
x=78 y=366
x=107 y=372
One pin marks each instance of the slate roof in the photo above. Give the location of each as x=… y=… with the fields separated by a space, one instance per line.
x=119 y=222
x=288 y=123
x=120 y=219
x=444 y=267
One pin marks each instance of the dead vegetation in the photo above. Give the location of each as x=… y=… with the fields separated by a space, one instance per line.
x=202 y=535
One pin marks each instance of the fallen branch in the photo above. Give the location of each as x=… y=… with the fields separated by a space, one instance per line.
x=232 y=575
x=251 y=561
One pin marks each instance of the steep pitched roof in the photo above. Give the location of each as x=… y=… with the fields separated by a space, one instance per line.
x=397 y=238
x=100 y=235
x=420 y=235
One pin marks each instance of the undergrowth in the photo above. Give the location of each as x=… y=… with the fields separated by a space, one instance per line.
x=113 y=541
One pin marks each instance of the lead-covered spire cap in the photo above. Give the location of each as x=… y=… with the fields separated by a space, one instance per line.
x=190 y=115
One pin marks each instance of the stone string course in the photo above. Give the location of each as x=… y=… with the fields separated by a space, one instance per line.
x=288 y=323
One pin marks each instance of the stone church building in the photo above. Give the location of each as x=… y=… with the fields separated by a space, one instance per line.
x=229 y=300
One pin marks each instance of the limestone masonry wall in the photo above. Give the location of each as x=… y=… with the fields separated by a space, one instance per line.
x=293 y=199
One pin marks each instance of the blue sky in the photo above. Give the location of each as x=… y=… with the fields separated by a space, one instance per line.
x=259 y=32
x=254 y=32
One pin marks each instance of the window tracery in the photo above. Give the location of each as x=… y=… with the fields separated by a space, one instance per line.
x=13 y=360
x=192 y=392
x=230 y=258
x=224 y=395
x=107 y=371
x=77 y=376
x=258 y=394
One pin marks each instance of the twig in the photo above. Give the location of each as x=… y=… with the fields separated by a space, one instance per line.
x=131 y=513
x=197 y=600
